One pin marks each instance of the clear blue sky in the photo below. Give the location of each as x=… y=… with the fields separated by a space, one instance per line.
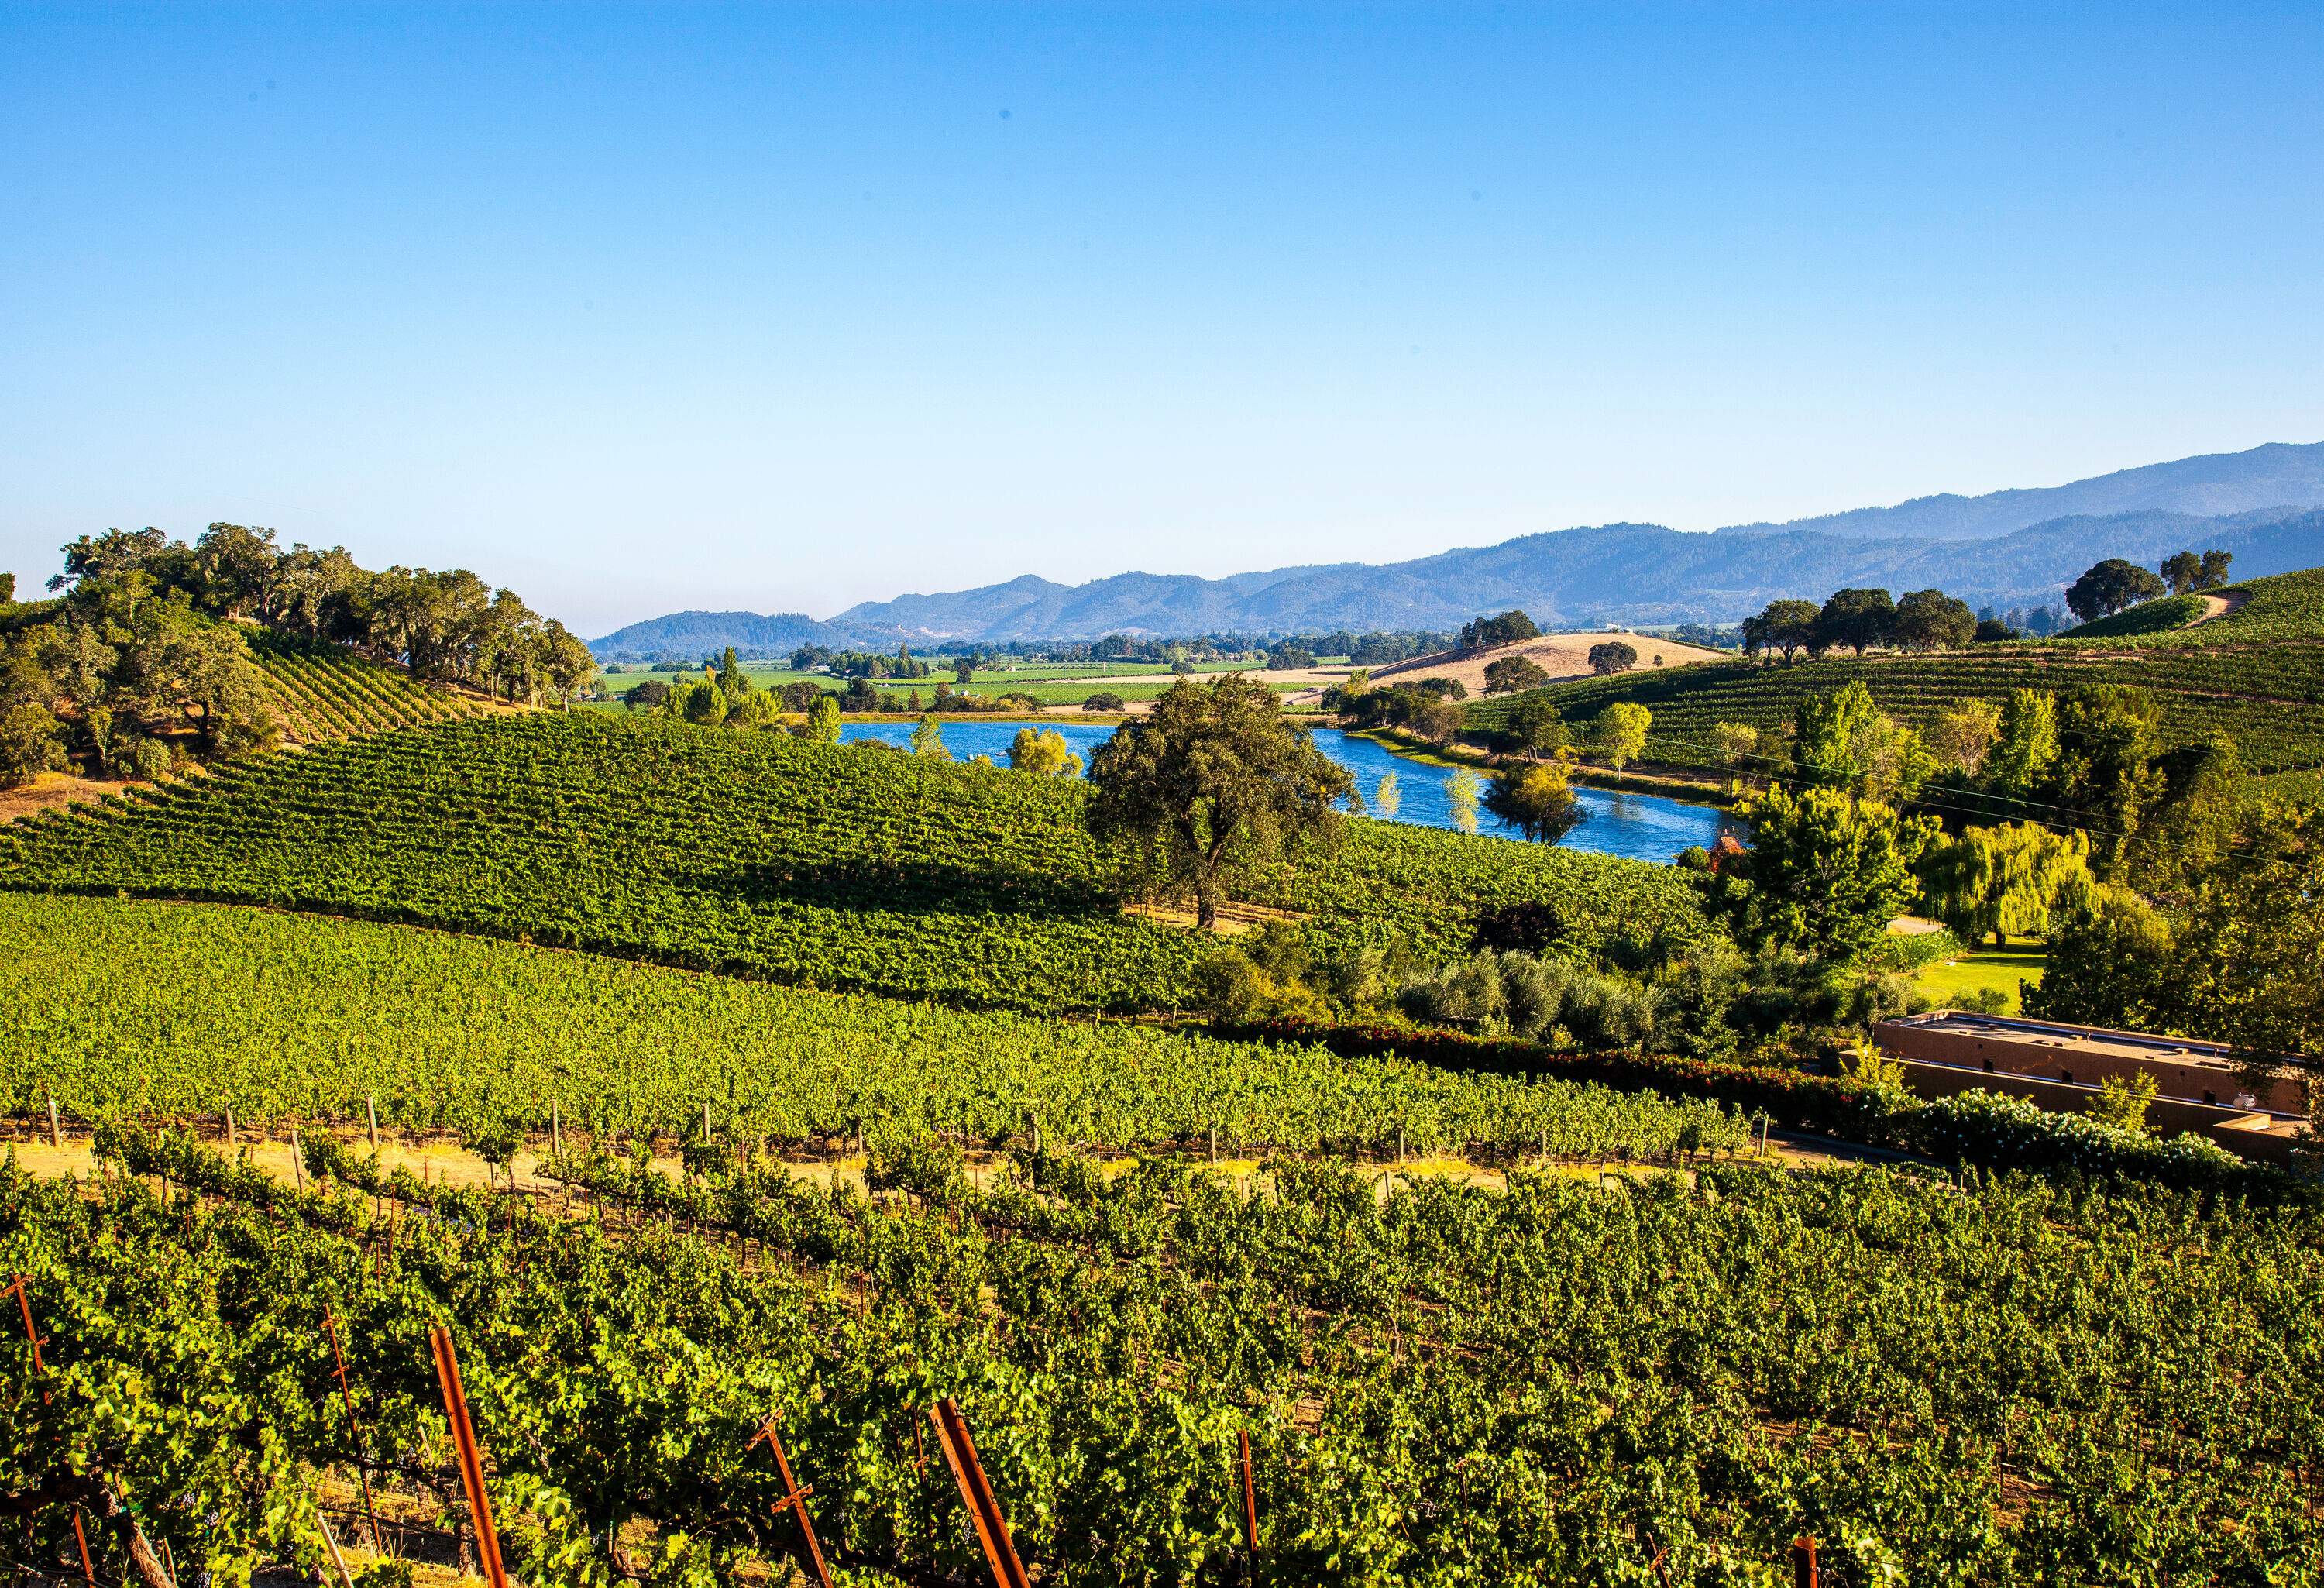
x=644 y=307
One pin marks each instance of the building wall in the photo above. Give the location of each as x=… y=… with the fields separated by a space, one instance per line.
x=2001 y=1054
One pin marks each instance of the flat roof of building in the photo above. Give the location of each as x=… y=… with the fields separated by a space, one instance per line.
x=2024 y=1033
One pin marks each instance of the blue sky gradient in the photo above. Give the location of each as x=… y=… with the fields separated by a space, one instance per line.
x=643 y=308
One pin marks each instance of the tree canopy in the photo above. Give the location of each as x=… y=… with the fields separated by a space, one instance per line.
x=1213 y=777
x=1930 y=620
x=1536 y=800
x=1785 y=626
x=1857 y=619
x=1829 y=871
x=1613 y=656
x=1483 y=633
x=1618 y=735
x=2107 y=587
x=1507 y=675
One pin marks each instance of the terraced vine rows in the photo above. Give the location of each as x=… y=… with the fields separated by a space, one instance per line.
x=838 y=866
x=2269 y=696
x=322 y=692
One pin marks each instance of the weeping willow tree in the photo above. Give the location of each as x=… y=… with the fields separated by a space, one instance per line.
x=2014 y=880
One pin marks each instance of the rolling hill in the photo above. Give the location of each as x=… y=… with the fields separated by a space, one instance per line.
x=706 y=634
x=2256 y=673
x=764 y=855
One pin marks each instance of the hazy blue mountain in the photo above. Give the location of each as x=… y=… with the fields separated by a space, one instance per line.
x=706 y=633
x=1632 y=573
x=2274 y=475
x=2008 y=549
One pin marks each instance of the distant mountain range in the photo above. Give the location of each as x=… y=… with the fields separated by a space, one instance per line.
x=706 y=634
x=2218 y=482
x=2008 y=549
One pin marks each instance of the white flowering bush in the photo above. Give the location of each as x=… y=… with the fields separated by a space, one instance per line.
x=2006 y=1132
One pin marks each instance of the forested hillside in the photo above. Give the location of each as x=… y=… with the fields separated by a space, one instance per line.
x=159 y=653
x=840 y=866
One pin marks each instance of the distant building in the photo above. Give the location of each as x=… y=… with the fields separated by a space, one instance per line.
x=2202 y=1087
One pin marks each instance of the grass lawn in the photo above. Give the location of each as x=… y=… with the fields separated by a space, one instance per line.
x=2000 y=969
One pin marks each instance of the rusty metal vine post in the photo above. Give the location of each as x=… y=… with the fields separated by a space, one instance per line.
x=472 y=1461
x=87 y=1572
x=1803 y=1563
x=354 y=1434
x=1250 y=1498
x=795 y=1495
x=23 y=1287
x=976 y=1493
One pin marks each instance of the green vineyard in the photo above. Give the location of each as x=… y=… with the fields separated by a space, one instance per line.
x=2270 y=698
x=1999 y=1383
x=300 y=1017
x=2283 y=609
x=320 y=692
x=763 y=855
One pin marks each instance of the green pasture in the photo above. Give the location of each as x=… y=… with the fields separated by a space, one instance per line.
x=1957 y=983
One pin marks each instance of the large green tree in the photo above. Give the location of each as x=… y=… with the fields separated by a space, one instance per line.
x=1507 y=675
x=2105 y=779
x=1844 y=739
x=1619 y=736
x=2107 y=587
x=1829 y=871
x=2013 y=880
x=1788 y=626
x=2025 y=744
x=1857 y=619
x=1536 y=800
x=1212 y=777
x=1930 y=620
x=2234 y=961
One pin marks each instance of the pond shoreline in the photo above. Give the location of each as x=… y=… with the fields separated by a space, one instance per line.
x=1632 y=822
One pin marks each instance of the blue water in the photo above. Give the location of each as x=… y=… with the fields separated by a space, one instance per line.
x=1636 y=826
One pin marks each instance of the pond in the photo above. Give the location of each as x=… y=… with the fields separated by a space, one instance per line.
x=1636 y=826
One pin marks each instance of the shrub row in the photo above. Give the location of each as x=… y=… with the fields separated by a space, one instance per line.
x=1793 y=1099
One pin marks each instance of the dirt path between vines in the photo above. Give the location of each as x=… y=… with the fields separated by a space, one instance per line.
x=438 y=1162
x=2220 y=605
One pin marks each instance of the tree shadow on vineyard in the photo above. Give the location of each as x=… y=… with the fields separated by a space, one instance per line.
x=918 y=886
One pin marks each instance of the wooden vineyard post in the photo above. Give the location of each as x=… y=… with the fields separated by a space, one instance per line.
x=229 y=1131
x=794 y=1497
x=472 y=1461
x=56 y=1135
x=331 y=1543
x=976 y=1493
x=355 y=1435
x=1803 y=1563
x=556 y=1134
x=371 y=1118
